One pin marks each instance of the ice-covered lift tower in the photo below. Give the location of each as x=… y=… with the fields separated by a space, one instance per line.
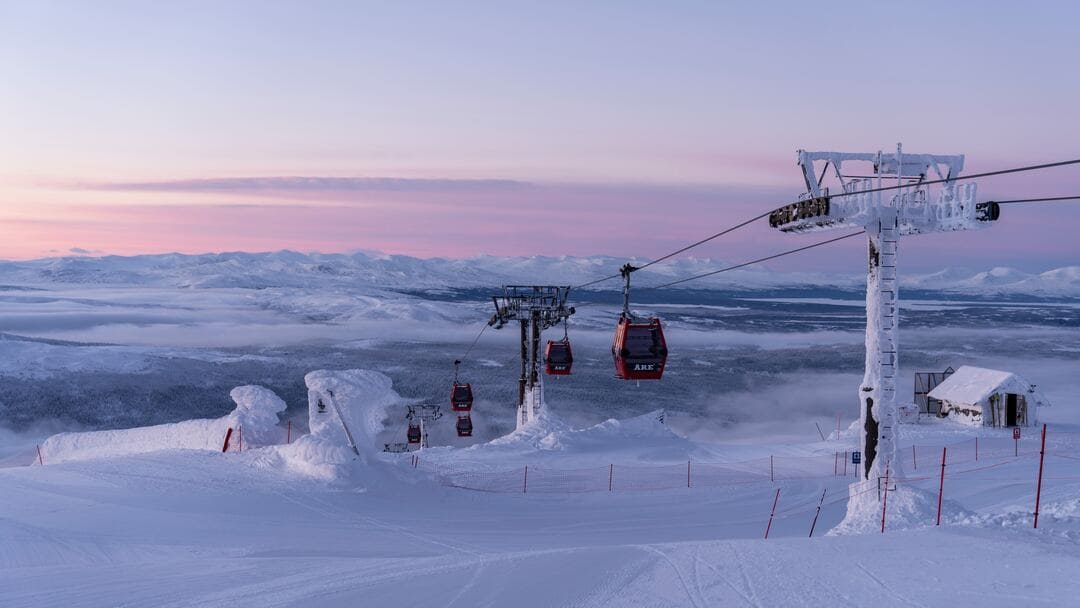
x=891 y=200
x=542 y=306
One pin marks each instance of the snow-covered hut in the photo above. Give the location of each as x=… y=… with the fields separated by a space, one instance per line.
x=988 y=397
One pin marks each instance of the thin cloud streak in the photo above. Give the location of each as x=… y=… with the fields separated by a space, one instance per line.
x=644 y=220
x=315 y=184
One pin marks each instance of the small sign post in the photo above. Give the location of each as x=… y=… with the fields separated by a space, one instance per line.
x=856 y=457
x=1016 y=441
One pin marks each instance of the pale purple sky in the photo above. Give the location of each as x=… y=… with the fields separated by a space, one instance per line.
x=456 y=129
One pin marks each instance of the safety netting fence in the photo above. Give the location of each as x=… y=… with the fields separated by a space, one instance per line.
x=613 y=477
x=971 y=455
x=1016 y=466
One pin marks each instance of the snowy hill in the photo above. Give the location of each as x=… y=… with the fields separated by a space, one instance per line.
x=317 y=270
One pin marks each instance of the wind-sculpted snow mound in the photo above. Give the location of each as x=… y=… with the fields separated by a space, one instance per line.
x=256 y=412
x=340 y=403
x=906 y=507
x=643 y=437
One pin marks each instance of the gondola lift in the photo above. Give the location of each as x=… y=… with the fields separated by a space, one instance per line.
x=413 y=434
x=558 y=356
x=464 y=426
x=461 y=395
x=638 y=349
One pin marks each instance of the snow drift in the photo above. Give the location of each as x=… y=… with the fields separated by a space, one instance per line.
x=353 y=399
x=256 y=412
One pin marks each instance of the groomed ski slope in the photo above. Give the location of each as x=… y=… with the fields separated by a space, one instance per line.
x=310 y=525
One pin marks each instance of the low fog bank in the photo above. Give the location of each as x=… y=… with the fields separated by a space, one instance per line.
x=724 y=392
x=739 y=366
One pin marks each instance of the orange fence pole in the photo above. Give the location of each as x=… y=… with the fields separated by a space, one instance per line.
x=885 y=500
x=1038 y=487
x=941 y=485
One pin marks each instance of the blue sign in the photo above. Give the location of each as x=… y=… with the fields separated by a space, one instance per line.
x=856 y=457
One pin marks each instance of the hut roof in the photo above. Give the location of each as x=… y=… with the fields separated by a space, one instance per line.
x=974 y=384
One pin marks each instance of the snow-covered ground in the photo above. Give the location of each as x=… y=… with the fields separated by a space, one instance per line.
x=309 y=524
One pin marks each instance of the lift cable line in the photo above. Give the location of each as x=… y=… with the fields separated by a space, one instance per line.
x=475 y=340
x=958 y=178
x=765 y=259
x=1038 y=200
x=683 y=250
x=757 y=261
x=703 y=241
x=944 y=180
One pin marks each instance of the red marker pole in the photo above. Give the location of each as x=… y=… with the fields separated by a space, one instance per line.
x=40 y=460
x=288 y=432
x=914 y=461
x=776 y=499
x=976 y=449
x=821 y=502
x=771 y=468
x=1038 y=488
x=240 y=438
x=688 y=473
x=525 y=484
x=941 y=486
x=228 y=436
x=885 y=499
x=610 y=476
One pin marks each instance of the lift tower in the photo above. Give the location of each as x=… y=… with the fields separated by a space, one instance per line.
x=891 y=200
x=424 y=415
x=541 y=307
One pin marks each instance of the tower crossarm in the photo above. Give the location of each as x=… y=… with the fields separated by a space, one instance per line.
x=920 y=208
x=548 y=303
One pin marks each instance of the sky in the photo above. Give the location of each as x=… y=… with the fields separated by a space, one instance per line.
x=516 y=128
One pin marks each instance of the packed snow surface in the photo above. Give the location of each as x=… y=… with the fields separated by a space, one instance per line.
x=313 y=524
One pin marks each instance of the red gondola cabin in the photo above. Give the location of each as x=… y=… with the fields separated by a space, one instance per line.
x=414 y=433
x=639 y=349
x=461 y=397
x=558 y=358
x=464 y=426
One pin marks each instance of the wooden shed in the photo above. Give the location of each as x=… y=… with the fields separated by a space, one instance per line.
x=988 y=397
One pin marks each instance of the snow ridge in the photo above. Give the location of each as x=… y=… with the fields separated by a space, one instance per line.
x=293 y=269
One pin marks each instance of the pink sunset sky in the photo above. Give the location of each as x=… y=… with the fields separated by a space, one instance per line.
x=459 y=129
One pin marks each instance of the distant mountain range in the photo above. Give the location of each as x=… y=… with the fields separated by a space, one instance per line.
x=397 y=272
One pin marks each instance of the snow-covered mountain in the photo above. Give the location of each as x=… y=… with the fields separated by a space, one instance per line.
x=1063 y=281
x=313 y=270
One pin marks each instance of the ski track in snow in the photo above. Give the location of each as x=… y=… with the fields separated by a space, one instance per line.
x=694 y=595
x=887 y=588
